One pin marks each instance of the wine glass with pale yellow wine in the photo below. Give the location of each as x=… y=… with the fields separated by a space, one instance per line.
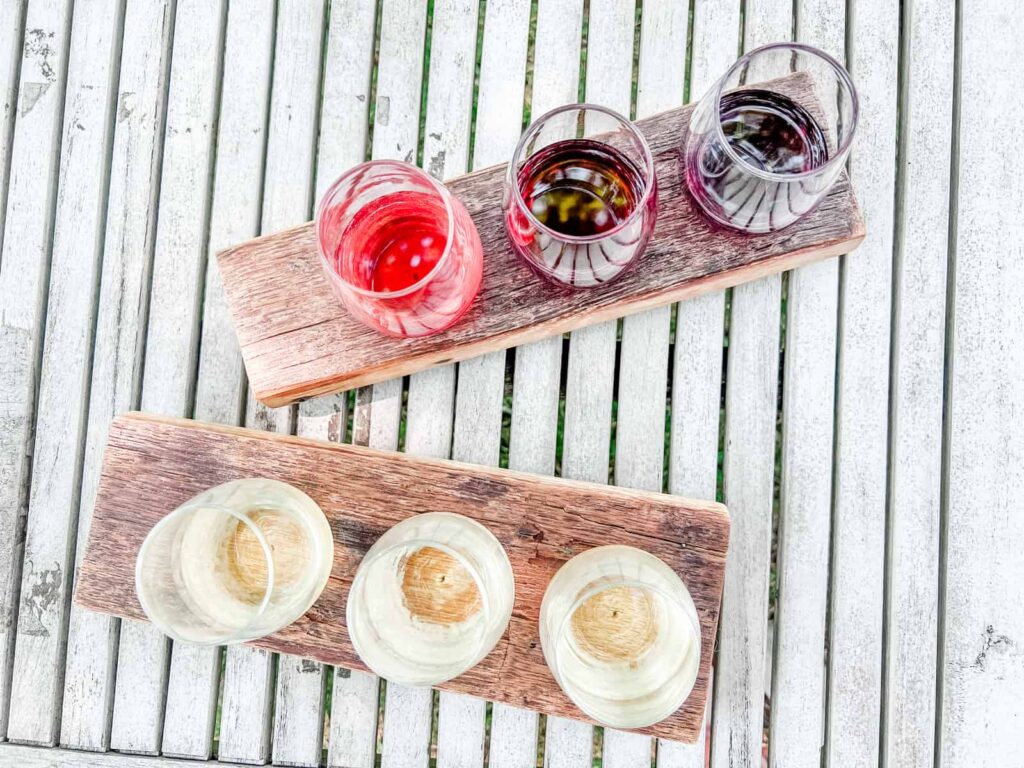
x=239 y=561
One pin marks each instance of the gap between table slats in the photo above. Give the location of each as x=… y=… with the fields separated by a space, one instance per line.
x=862 y=389
x=538 y=370
x=400 y=82
x=557 y=347
x=344 y=131
x=591 y=382
x=476 y=434
x=301 y=684
x=194 y=684
x=697 y=363
x=749 y=471
x=798 y=674
x=646 y=351
x=288 y=187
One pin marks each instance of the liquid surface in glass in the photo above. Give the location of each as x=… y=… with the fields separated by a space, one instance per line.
x=580 y=187
x=228 y=585
x=437 y=588
x=768 y=132
x=399 y=239
x=772 y=132
x=245 y=573
x=617 y=625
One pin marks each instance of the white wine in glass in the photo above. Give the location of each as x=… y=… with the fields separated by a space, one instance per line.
x=237 y=562
x=621 y=636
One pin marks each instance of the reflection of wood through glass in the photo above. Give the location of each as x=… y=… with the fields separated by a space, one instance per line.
x=618 y=624
x=247 y=562
x=437 y=588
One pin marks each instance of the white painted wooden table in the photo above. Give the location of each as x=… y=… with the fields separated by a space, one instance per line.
x=137 y=138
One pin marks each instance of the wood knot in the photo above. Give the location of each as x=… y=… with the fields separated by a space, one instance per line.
x=530 y=532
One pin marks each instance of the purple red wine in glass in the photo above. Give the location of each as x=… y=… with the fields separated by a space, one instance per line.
x=772 y=133
x=759 y=156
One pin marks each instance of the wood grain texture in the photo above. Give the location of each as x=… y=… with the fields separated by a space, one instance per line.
x=344 y=107
x=120 y=329
x=982 y=627
x=541 y=522
x=919 y=313
x=798 y=675
x=744 y=648
x=24 y=272
x=22 y=756
x=12 y=30
x=477 y=397
x=193 y=682
x=448 y=84
x=173 y=327
x=37 y=680
x=856 y=597
x=251 y=707
x=644 y=354
x=172 y=332
x=297 y=340
x=699 y=349
x=538 y=365
x=593 y=351
x=288 y=188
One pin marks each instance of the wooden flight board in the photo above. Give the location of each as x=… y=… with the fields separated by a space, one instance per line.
x=154 y=464
x=298 y=341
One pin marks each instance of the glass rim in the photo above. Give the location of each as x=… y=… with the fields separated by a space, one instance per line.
x=443 y=192
x=192 y=508
x=512 y=174
x=844 y=77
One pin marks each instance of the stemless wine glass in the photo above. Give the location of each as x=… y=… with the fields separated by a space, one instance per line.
x=621 y=636
x=580 y=210
x=398 y=249
x=237 y=562
x=759 y=155
x=430 y=599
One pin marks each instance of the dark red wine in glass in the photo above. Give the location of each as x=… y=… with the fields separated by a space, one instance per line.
x=580 y=188
x=576 y=223
x=773 y=137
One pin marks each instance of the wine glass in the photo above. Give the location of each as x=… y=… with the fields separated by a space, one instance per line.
x=580 y=208
x=770 y=138
x=237 y=562
x=430 y=599
x=399 y=249
x=621 y=636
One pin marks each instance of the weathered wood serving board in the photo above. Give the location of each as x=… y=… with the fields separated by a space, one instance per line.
x=298 y=341
x=153 y=464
